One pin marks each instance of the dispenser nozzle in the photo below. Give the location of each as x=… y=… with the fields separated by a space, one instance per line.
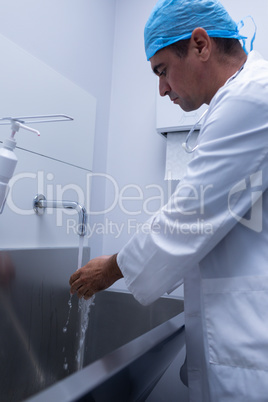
x=16 y=125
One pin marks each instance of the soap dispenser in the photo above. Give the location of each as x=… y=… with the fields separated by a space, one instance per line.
x=8 y=160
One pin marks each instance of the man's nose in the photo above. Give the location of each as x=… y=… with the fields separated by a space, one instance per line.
x=164 y=87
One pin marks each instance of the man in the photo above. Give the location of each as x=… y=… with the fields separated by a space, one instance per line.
x=213 y=233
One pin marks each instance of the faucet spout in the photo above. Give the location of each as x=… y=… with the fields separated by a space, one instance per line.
x=40 y=203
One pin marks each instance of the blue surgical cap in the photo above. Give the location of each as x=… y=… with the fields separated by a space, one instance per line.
x=174 y=20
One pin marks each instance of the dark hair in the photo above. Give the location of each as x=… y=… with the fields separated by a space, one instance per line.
x=227 y=46
x=180 y=48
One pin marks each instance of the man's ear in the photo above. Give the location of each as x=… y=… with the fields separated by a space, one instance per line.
x=201 y=43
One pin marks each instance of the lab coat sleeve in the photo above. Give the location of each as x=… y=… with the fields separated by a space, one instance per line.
x=208 y=202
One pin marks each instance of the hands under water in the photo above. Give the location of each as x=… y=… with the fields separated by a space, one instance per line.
x=98 y=274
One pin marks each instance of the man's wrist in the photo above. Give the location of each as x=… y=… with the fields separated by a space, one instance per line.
x=114 y=268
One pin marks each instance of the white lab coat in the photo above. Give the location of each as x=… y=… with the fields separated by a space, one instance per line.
x=213 y=235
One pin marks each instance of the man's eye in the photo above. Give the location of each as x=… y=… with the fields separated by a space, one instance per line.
x=162 y=73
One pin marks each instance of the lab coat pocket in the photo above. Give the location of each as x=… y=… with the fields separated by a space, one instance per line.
x=236 y=319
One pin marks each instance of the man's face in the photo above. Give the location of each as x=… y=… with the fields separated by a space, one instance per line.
x=179 y=78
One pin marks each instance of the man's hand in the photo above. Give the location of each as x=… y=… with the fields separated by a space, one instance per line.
x=98 y=274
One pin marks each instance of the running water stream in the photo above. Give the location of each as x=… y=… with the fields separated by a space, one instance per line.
x=83 y=309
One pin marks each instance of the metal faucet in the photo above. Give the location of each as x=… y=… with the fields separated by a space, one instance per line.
x=40 y=203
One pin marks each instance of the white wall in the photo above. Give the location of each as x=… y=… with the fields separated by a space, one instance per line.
x=136 y=154
x=76 y=40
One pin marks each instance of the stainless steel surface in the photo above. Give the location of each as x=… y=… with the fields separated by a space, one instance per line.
x=33 y=311
x=40 y=203
x=127 y=374
x=121 y=345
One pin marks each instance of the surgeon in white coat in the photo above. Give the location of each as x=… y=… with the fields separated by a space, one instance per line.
x=213 y=233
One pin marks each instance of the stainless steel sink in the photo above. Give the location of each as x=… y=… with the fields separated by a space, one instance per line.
x=125 y=342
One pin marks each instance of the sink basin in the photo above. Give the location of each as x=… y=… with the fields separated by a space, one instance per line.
x=125 y=342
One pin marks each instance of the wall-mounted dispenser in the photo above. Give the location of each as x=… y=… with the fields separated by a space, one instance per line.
x=175 y=124
x=8 y=159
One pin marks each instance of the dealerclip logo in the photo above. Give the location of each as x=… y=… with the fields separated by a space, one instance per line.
x=254 y=188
